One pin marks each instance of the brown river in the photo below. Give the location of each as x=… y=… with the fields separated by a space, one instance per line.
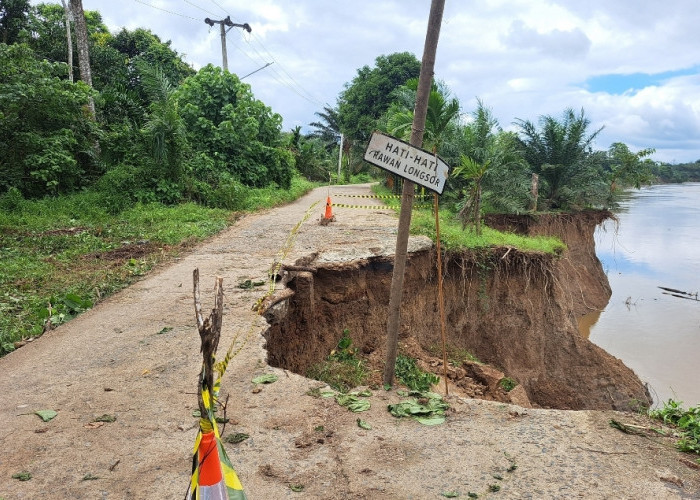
x=653 y=330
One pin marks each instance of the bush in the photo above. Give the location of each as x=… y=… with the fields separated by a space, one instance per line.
x=118 y=187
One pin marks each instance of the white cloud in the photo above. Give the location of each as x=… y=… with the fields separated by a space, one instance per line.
x=524 y=58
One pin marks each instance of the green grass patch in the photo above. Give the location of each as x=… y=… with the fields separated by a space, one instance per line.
x=61 y=255
x=453 y=237
x=687 y=423
x=342 y=369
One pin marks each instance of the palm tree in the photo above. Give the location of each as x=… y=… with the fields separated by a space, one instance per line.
x=560 y=152
x=328 y=128
x=165 y=128
x=490 y=168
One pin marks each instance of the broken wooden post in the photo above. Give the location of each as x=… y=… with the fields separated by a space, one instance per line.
x=209 y=334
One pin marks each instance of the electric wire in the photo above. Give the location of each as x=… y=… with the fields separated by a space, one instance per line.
x=165 y=10
x=313 y=98
x=286 y=80
x=199 y=7
x=220 y=7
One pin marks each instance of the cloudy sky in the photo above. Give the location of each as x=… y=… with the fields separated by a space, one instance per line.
x=633 y=65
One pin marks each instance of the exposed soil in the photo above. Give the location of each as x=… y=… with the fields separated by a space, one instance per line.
x=136 y=356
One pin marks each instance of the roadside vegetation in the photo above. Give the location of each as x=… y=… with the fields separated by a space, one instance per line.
x=686 y=422
x=101 y=178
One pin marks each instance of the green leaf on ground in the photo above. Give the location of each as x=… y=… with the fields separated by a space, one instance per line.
x=106 y=418
x=428 y=408
x=266 y=378
x=362 y=424
x=450 y=494
x=89 y=477
x=296 y=487
x=22 y=476
x=237 y=437
x=165 y=329
x=46 y=415
x=352 y=402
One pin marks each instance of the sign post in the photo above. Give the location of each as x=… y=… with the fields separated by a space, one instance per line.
x=437 y=8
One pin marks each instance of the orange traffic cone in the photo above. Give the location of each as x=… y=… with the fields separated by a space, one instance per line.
x=329 y=211
x=328 y=216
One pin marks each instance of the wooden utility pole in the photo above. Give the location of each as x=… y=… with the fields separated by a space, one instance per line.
x=222 y=24
x=81 y=36
x=69 y=39
x=437 y=8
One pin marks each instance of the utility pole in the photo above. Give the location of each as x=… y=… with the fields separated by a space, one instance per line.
x=222 y=24
x=419 y=114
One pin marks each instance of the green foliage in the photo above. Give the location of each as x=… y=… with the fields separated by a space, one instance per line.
x=686 y=421
x=408 y=372
x=13 y=20
x=682 y=172
x=342 y=369
x=46 y=136
x=239 y=133
x=368 y=96
x=560 y=153
x=428 y=408
x=507 y=384
x=627 y=168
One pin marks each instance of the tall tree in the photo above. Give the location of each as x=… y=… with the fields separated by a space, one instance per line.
x=369 y=95
x=328 y=128
x=13 y=19
x=81 y=36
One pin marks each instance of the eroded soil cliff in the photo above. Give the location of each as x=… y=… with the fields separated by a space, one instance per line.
x=515 y=311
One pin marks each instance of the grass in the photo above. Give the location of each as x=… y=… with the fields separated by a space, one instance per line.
x=342 y=369
x=453 y=237
x=687 y=423
x=61 y=255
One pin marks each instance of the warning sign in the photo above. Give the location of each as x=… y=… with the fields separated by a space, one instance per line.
x=411 y=163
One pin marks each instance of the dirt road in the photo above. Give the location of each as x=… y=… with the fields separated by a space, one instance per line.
x=136 y=357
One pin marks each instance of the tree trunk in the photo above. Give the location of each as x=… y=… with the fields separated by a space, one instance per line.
x=534 y=191
x=69 y=40
x=81 y=36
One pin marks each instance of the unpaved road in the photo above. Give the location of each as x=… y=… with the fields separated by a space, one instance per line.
x=114 y=360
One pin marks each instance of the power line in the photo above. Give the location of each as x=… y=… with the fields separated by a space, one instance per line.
x=219 y=6
x=198 y=7
x=291 y=83
x=257 y=39
x=165 y=10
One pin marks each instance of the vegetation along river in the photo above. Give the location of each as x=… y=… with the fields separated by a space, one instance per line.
x=656 y=332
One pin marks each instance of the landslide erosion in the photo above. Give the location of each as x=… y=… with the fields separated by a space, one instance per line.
x=135 y=357
x=516 y=312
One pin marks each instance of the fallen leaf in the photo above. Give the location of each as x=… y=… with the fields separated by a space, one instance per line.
x=93 y=425
x=363 y=424
x=106 y=418
x=236 y=438
x=46 y=415
x=89 y=477
x=266 y=378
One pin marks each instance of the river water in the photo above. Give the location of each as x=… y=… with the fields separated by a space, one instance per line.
x=656 y=243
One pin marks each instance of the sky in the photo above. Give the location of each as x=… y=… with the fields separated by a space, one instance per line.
x=632 y=65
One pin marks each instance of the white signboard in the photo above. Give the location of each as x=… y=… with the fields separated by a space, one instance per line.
x=411 y=163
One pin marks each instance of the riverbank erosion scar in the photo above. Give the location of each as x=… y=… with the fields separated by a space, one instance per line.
x=512 y=310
